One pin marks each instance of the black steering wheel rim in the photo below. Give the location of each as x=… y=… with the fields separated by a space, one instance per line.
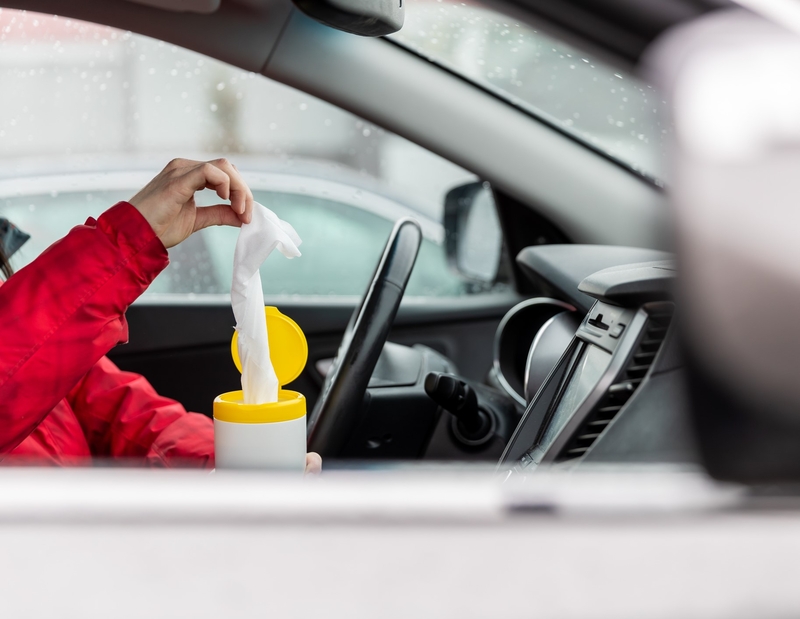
x=338 y=408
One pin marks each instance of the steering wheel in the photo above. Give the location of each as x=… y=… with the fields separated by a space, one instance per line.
x=339 y=406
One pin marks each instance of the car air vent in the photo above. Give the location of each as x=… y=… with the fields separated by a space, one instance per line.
x=623 y=388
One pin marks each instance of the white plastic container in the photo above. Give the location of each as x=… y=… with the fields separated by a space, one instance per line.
x=269 y=436
x=253 y=439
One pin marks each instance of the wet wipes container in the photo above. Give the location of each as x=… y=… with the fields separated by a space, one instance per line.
x=268 y=436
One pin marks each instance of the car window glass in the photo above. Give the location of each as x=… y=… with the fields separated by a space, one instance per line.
x=89 y=113
x=600 y=104
x=346 y=244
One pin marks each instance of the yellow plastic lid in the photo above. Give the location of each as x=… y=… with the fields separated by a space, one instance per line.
x=230 y=407
x=288 y=348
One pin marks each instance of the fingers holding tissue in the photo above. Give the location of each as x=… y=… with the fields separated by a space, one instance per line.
x=167 y=202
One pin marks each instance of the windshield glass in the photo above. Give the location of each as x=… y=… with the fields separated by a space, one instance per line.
x=599 y=104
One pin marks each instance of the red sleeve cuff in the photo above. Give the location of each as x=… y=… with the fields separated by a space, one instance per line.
x=128 y=230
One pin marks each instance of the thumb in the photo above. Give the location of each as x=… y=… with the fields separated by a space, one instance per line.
x=313 y=463
x=217 y=215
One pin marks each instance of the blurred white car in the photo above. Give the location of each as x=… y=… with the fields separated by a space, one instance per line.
x=340 y=215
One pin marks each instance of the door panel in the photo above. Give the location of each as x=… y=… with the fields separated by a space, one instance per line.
x=184 y=348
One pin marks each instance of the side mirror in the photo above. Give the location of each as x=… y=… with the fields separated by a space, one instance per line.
x=368 y=18
x=473 y=237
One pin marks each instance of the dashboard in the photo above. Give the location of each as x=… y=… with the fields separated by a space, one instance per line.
x=602 y=379
x=589 y=372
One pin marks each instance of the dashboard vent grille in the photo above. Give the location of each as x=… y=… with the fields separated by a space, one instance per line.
x=623 y=388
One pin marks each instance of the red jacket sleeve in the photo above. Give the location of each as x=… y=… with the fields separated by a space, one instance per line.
x=123 y=417
x=63 y=312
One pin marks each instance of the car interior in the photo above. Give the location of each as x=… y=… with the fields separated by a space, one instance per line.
x=548 y=284
x=566 y=351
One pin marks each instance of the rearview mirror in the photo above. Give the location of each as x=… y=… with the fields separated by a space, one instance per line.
x=473 y=238
x=368 y=18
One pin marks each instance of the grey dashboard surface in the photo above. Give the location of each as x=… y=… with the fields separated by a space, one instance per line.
x=631 y=283
x=560 y=269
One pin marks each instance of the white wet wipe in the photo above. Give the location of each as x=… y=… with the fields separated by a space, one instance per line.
x=257 y=240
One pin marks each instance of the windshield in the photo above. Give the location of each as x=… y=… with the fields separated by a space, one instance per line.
x=596 y=103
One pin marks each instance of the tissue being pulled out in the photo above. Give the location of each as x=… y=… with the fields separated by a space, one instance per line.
x=256 y=241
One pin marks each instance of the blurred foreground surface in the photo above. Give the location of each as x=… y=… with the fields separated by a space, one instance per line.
x=420 y=542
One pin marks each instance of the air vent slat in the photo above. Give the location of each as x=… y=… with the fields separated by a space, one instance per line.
x=577 y=451
x=638 y=371
x=628 y=387
x=618 y=394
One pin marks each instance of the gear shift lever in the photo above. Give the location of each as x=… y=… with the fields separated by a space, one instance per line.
x=455 y=396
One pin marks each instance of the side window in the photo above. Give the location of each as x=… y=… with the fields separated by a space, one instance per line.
x=90 y=113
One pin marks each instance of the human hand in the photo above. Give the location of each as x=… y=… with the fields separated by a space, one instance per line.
x=313 y=464
x=167 y=202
